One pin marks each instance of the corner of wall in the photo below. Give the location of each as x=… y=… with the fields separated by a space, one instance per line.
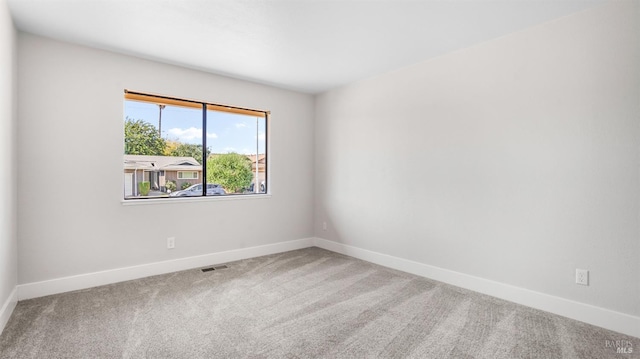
x=7 y=308
x=8 y=166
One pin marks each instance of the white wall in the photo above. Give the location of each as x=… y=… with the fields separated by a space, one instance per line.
x=70 y=217
x=8 y=184
x=515 y=160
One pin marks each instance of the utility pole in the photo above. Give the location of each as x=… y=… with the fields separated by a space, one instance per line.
x=256 y=183
x=160 y=120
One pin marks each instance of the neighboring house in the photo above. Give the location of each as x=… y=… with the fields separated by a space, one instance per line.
x=261 y=167
x=158 y=170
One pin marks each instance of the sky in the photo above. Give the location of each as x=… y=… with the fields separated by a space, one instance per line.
x=226 y=132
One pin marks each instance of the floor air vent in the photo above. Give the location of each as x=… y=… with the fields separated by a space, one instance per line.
x=214 y=268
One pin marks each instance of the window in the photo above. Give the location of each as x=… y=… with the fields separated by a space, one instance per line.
x=187 y=175
x=172 y=147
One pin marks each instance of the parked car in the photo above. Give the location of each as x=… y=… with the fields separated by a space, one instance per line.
x=196 y=190
x=263 y=188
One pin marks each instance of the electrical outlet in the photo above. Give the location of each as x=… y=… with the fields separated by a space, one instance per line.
x=324 y=226
x=582 y=276
x=171 y=242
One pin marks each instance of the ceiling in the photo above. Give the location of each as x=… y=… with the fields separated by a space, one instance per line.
x=303 y=45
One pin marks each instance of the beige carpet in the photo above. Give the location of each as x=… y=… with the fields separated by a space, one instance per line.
x=309 y=303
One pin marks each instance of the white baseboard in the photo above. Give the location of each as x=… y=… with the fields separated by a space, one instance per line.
x=88 y=280
x=605 y=318
x=598 y=316
x=7 y=308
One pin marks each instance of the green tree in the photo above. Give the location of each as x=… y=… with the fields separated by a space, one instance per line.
x=230 y=170
x=142 y=138
x=185 y=150
x=170 y=146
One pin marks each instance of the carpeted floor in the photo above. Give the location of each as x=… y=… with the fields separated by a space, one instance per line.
x=308 y=303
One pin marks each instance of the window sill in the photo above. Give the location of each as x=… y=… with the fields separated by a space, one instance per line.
x=138 y=202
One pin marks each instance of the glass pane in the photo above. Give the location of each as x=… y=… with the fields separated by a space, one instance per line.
x=237 y=163
x=161 y=142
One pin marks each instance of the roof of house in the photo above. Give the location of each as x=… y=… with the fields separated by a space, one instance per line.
x=261 y=158
x=165 y=163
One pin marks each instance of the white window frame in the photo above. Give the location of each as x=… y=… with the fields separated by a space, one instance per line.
x=188 y=178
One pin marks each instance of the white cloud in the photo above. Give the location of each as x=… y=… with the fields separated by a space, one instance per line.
x=261 y=136
x=240 y=125
x=190 y=134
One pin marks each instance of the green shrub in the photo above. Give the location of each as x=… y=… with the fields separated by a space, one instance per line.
x=185 y=185
x=171 y=186
x=144 y=188
x=230 y=170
